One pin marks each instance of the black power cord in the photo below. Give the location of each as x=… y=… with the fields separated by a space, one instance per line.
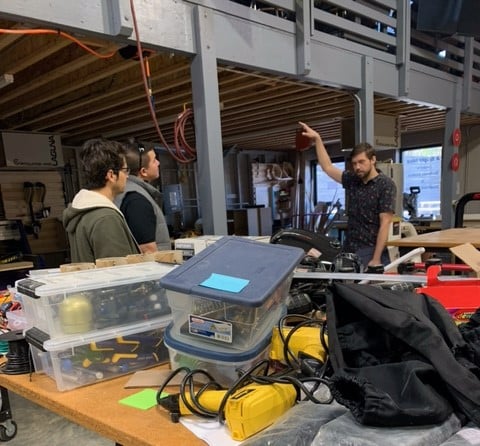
x=305 y=374
x=19 y=360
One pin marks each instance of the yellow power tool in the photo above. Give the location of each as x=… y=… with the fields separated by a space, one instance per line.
x=248 y=410
x=304 y=340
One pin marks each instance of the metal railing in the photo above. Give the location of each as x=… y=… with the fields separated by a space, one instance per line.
x=376 y=26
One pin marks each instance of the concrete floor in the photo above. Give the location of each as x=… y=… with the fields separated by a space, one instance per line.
x=40 y=427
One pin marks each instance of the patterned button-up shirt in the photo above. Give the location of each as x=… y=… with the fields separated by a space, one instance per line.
x=364 y=204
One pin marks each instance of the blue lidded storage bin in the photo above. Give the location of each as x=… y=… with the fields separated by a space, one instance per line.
x=224 y=364
x=239 y=317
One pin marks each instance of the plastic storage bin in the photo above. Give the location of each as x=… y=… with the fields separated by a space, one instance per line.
x=81 y=301
x=84 y=359
x=233 y=292
x=222 y=363
x=16 y=320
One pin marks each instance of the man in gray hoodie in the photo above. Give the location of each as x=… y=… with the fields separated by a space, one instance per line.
x=95 y=226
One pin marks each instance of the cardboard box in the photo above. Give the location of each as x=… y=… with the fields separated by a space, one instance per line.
x=469 y=255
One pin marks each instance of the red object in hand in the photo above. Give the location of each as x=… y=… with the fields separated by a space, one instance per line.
x=302 y=142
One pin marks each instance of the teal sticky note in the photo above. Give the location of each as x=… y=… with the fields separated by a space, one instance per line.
x=225 y=283
x=142 y=400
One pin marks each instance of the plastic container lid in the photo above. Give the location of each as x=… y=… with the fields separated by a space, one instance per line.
x=105 y=334
x=48 y=284
x=264 y=265
x=215 y=352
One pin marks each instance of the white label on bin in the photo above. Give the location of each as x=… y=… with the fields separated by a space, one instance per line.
x=210 y=328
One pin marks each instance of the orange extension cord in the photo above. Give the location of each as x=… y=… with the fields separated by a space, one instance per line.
x=183 y=152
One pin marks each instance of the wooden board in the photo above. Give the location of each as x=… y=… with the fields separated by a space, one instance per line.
x=446 y=238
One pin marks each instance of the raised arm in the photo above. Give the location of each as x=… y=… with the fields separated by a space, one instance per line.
x=322 y=156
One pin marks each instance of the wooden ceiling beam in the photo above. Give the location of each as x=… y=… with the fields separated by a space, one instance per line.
x=69 y=86
x=36 y=82
x=30 y=51
x=117 y=95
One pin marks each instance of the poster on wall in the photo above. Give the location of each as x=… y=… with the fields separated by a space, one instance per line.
x=30 y=150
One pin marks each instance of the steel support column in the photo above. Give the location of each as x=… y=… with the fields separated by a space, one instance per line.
x=303 y=33
x=364 y=107
x=403 y=46
x=206 y=106
x=467 y=74
x=450 y=189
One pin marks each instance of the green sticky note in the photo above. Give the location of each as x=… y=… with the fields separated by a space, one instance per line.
x=142 y=400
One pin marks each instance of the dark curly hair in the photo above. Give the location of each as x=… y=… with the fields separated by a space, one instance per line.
x=363 y=147
x=98 y=156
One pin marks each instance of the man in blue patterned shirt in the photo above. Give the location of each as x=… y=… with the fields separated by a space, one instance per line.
x=370 y=200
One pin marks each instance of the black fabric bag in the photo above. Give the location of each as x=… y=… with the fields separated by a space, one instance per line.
x=398 y=358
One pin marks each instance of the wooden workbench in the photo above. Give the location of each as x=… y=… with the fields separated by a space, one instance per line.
x=446 y=238
x=96 y=407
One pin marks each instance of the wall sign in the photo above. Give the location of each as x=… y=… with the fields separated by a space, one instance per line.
x=32 y=150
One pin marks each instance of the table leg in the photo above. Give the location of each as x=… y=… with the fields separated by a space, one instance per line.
x=8 y=427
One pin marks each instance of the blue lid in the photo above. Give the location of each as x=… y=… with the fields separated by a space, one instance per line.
x=214 y=352
x=265 y=266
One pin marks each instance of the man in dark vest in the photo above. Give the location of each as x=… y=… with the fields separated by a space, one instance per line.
x=141 y=202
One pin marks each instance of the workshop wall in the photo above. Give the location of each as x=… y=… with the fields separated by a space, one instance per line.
x=44 y=191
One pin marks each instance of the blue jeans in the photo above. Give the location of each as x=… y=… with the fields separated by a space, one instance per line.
x=365 y=254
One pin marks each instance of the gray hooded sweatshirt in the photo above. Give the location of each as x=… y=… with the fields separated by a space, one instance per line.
x=96 y=228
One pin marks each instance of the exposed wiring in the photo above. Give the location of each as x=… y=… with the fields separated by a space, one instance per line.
x=183 y=153
x=179 y=131
x=62 y=34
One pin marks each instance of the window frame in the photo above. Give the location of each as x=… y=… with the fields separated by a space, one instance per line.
x=313 y=174
x=402 y=151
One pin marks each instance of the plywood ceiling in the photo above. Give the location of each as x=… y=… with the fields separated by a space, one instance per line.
x=59 y=87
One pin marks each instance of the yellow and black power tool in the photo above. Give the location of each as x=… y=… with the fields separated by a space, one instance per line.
x=306 y=340
x=246 y=411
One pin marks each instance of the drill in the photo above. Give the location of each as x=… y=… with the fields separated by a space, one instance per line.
x=247 y=410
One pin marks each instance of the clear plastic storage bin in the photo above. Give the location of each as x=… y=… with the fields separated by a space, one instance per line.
x=84 y=359
x=81 y=301
x=222 y=363
x=233 y=292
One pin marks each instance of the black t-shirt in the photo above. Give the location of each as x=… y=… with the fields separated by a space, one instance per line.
x=140 y=216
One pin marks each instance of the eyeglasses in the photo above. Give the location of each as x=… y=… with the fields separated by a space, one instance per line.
x=125 y=169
